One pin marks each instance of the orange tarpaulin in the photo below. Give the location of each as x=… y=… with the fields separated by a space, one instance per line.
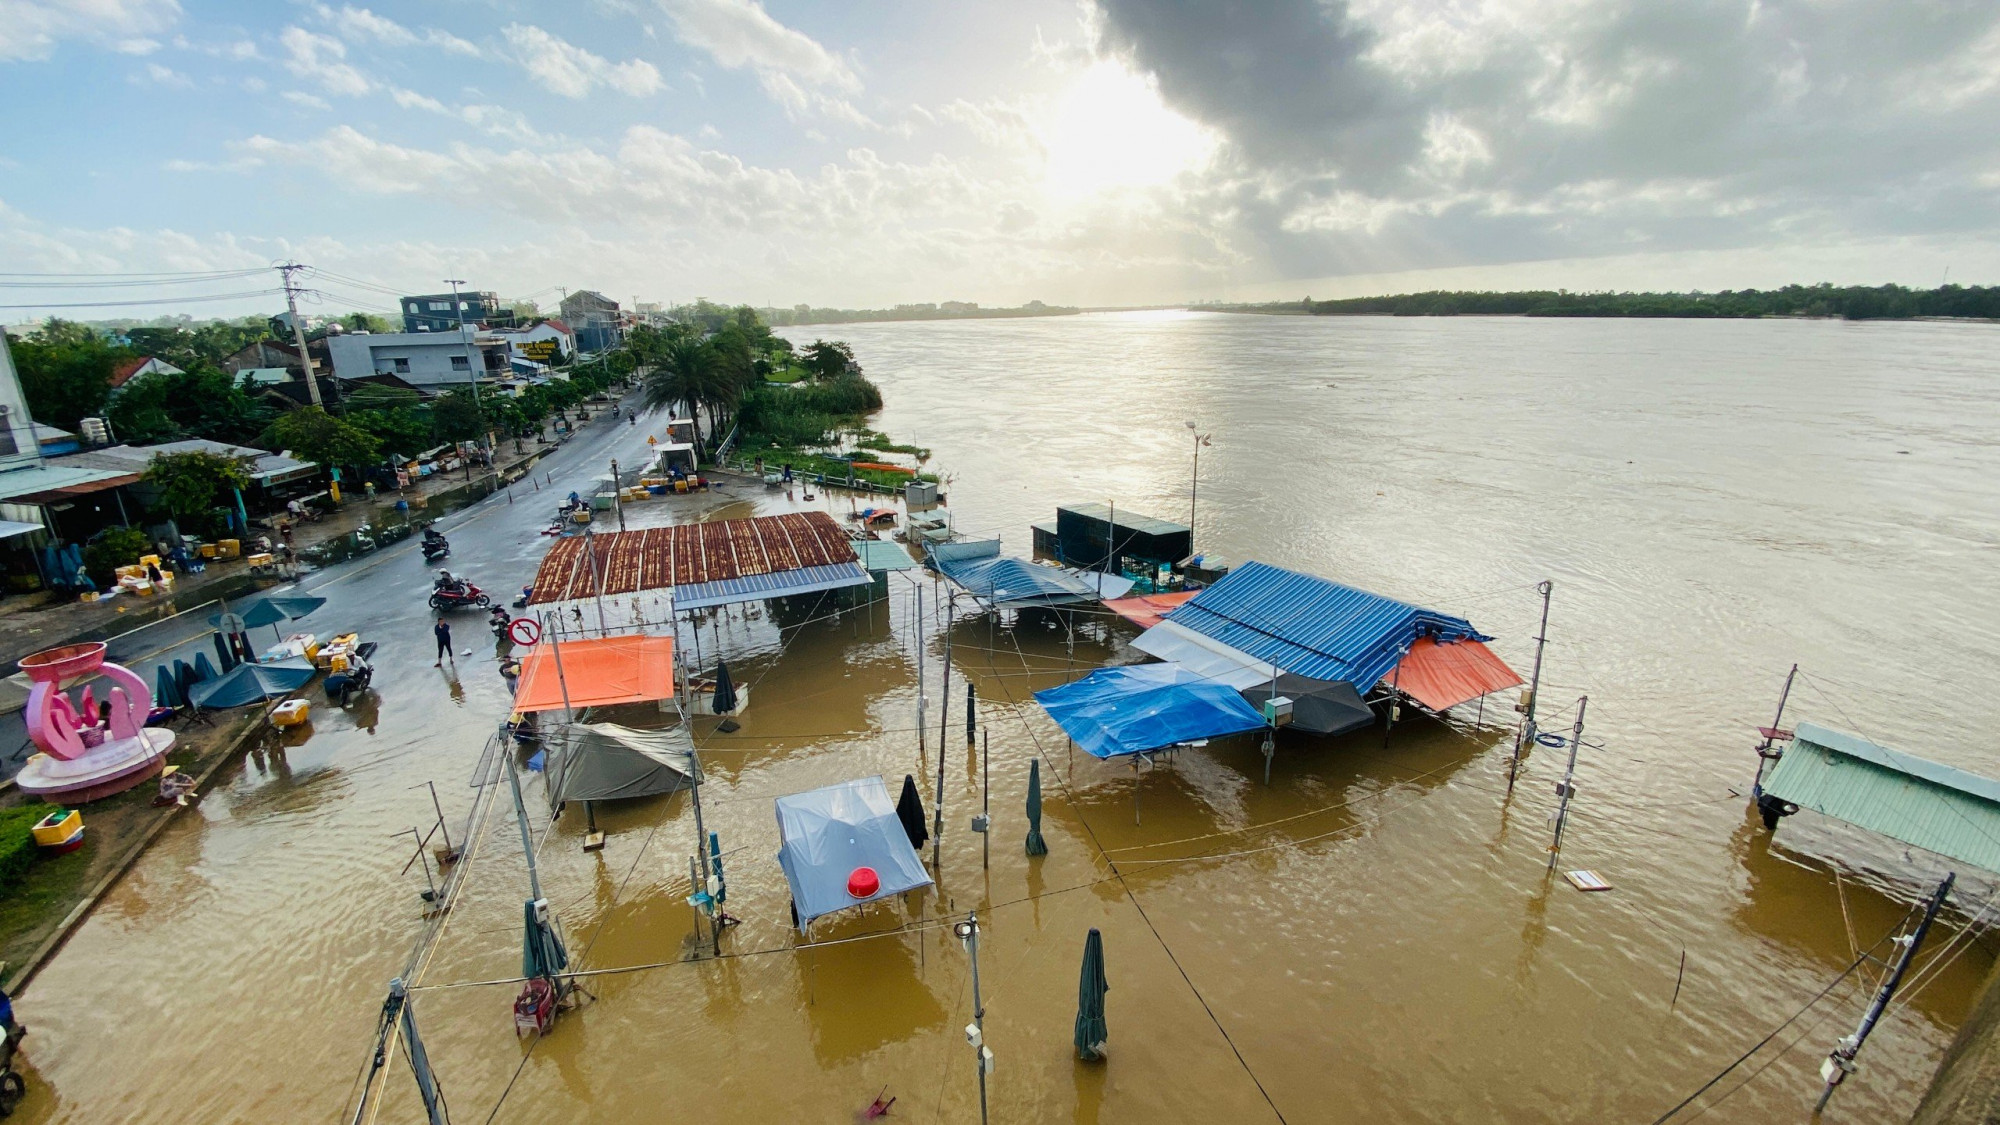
x=1440 y=676
x=1145 y=611
x=597 y=673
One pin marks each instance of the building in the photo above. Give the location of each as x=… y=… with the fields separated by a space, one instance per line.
x=593 y=318
x=442 y=312
x=266 y=356
x=543 y=344
x=432 y=362
x=144 y=365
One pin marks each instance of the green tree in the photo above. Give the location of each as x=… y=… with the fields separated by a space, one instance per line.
x=455 y=417
x=828 y=360
x=65 y=371
x=314 y=435
x=112 y=548
x=201 y=402
x=191 y=485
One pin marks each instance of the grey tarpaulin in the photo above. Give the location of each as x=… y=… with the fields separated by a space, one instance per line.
x=1318 y=706
x=605 y=761
x=826 y=833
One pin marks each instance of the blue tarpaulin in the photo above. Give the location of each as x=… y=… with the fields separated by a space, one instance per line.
x=826 y=833
x=1007 y=583
x=1138 y=707
x=252 y=683
x=1314 y=627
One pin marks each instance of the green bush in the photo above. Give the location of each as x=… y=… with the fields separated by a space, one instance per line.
x=18 y=850
x=118 y=546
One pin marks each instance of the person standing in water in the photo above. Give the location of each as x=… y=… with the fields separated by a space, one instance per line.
x=443 y=634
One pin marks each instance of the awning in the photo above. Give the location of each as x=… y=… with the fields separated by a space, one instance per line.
x=878 y=554
x=1138 y=707
x=781 y=584
x=1146 y=610
x=598 y=672
x=54 y=482
x=1007 y=583
x=1104 y=586
x=825 y=834
x=1446 y=675
x=1318 y=706
x=11 y=528
x=607 y=762
x=1922 y=803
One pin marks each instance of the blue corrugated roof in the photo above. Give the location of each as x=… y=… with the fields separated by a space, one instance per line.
x=1313 y=627
x=781 y=584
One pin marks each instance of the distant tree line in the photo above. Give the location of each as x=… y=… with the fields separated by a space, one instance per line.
x=1853 y=302
x=948 y=310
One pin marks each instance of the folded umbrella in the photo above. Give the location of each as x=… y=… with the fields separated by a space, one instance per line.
x=203 y=670
x=1091 y=1033
x=167 y=693
x=910 y=811
x=1036 y=845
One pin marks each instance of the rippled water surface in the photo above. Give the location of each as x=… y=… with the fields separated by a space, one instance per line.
x=1371 y=938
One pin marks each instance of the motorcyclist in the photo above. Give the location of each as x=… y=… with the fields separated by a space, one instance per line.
x=432 y=537
x=445 y=581
x=499 y=618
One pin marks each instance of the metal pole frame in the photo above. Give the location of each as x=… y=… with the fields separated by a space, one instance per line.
x=1527 y=728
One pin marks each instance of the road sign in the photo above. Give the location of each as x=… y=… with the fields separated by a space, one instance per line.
x=230 y=623
x=524 y=631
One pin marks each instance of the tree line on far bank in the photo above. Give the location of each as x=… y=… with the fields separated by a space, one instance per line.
x=1853 y=302
x=729 y=367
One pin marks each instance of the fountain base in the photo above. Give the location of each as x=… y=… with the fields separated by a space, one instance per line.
x=112 y=767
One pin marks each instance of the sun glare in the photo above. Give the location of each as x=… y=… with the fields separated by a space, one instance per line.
x=1112 y=131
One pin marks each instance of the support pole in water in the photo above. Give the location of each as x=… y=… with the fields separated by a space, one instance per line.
x=617 y=494
x=521 y=815
x=986 y=798
x=944 y=724
x=701 y=846
x=1840 y=1063
x=982 y=1058
x=1767 y=751
x=921 y=753
x=1527 y=728
x=1568 y=787
x=971 y=714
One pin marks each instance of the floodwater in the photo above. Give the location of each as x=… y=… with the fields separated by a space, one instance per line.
x=1371 y=938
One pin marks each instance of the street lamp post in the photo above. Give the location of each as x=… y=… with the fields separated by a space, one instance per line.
x=1194 y=481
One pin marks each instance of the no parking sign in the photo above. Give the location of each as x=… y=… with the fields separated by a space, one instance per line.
x=524 y=631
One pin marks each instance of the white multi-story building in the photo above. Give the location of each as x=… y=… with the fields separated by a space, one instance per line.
x=430 y=361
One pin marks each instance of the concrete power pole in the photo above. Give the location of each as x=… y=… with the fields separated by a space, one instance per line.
x=299 y=330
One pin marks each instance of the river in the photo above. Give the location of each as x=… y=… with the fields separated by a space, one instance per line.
x=1371 y=938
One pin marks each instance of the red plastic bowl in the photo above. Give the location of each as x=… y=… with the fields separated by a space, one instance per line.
x=863 y=883
x=53 y=665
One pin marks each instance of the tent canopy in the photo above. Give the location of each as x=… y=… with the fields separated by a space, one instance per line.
x=607 y=762
x=1133 y=708
x=824 y=834
x=597 y=672
x=1446 y=675
x=1318 y=706
x=250 y=683
x=1009 y=583
x=1923 y=803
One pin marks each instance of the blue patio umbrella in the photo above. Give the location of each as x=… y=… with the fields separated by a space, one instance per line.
x=203 y=670
x=1036 y=845
x=542 y=953
x=167 y=693
x=252 y=683
x=1091 y=1033
x=274 y=609
x=224 y=653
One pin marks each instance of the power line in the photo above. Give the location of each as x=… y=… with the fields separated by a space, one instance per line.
x=146 y=301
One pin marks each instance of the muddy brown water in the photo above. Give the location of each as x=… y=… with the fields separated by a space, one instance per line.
x=1371 y=938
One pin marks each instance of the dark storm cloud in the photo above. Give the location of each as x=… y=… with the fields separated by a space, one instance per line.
x=1414 y=135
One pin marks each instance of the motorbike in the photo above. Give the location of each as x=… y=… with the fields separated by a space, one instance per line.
x=344 y=686
x=435 y=546
x=459 y=595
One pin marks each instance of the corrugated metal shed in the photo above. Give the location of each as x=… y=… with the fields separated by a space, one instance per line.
x=1923 y=803
x=657 y=558
x=1007 y=583
x=759 y=587
x=1314 y=627
x=878 y=554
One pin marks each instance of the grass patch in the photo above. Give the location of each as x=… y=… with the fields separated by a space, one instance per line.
x=880 y=442
x=18 y=850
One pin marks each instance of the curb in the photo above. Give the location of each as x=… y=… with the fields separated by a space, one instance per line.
x=23 y=976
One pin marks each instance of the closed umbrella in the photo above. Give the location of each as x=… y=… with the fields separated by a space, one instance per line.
x=1091 y=1034
x=725 y=698
x=542 y=953
x=203 y=670
x=1036 y=845
x=184 y=678
x=167 y=693
x=910 y=810
x=224 y=653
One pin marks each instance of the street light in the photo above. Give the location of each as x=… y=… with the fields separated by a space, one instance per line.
x=1194 y=482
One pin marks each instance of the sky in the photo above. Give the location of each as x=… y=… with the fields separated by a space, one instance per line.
x=1103 y=153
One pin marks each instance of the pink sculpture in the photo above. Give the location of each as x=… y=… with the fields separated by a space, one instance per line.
x=82 y=760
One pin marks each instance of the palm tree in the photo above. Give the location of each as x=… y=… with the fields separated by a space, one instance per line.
x=681 y=374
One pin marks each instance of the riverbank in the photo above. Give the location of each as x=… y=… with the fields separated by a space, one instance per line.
x=58 y=892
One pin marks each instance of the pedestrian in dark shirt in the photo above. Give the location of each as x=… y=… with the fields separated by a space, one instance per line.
x=443 y=633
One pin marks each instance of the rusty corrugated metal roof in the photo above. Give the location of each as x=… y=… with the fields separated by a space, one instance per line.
x=625 y=562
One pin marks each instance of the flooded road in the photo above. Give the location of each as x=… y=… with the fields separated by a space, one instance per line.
x=1371 y=938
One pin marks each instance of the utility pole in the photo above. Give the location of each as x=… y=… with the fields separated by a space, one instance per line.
x=617 y=494
x=1568 y=786
x=1194 y=482
x=1840 y=1063
x=1766 y=750
x=944 y=724
x=975 y=1032
x=1527 y=730
x=299 y=329
x=920 y=670
x=701 y=847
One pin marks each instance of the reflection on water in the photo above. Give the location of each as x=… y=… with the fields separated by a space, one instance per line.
x=1376 y=930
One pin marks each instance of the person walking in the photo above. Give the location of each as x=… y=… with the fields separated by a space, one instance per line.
x=443 y=634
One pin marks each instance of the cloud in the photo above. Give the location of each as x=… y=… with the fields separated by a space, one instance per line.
x=140 y=46
x=740 y=34
x=355 y=24
x=31 y=29
x=310 y=101
x=321 y=58
x=163 y=76
x=564 y=68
